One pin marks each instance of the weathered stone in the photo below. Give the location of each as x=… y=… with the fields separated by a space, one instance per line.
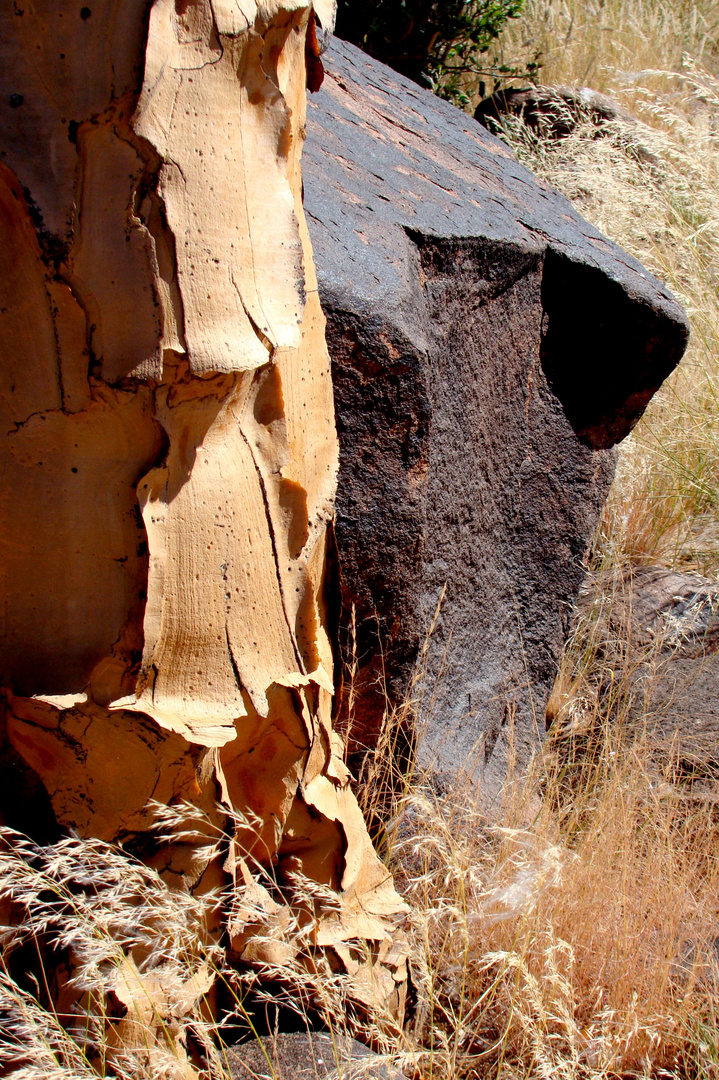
x=308 y=1056
x=489 y=347
x=668 y=621
x=554 y=111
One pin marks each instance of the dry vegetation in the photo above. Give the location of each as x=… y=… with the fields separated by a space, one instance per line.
x=654 y=187
x=580 y=939
x=578 y=935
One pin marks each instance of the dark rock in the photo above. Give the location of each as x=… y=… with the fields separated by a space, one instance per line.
x=307 y=1056
x=677 y=611
x=553 y=111
x=670 y=621
x=489 y=347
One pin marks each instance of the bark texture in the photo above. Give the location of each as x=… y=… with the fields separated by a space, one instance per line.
x=168 y=446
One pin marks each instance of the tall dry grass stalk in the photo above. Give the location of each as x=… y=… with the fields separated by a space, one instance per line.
x=581 y=943
x=574 y=934
x=653 y=186
x=606 y=43
x=107 y=971
x=104 y=970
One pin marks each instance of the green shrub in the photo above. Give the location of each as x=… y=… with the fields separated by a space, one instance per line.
x=436 y=43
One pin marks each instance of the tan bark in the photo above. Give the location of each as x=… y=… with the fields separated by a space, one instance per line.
x=168 y=447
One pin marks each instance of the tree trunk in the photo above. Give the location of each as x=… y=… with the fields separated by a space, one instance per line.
x=168 y=446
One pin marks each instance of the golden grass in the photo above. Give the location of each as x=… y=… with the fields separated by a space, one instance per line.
x=103 y=968
x=580 y=939
x=665 y=211
x=602 y=43
x=653 y=186
x=576 y=936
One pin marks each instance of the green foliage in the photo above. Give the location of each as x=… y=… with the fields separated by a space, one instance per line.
x=437 y=43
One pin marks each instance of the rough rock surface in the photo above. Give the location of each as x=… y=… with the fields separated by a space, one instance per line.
x=670 y=620
x=489 y=348
x=553 y=111
x=307 y=1056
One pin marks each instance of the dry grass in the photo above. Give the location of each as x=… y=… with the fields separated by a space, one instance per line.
x=104 y=970
x=575 y=935
x=604 y=43
x=578 y=939
x=107 y=971
x=581 y=940
x=653 y=186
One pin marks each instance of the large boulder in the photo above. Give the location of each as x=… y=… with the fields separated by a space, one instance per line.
x=489 y=348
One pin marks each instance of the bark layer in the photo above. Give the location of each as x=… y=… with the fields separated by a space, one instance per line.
x=169 y=455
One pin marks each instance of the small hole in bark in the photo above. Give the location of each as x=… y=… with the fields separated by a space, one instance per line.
x=16 y=101
x=85 y=13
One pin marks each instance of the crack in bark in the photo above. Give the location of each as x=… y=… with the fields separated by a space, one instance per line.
x=273 y=539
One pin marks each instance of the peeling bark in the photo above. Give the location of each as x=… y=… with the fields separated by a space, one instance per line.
x=169 y=455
